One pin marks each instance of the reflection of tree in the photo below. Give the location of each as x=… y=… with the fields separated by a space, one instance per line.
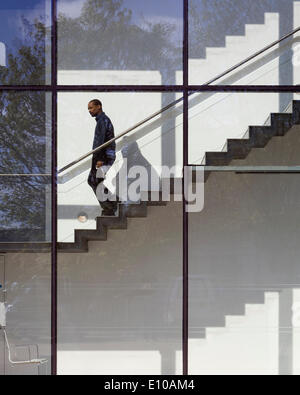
x=26 y=64
x=105 y=36
x=22 y=133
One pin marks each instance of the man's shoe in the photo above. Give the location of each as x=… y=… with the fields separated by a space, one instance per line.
x=108 y=213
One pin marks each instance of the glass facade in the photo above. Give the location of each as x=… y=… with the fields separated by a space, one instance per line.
x=165 y=287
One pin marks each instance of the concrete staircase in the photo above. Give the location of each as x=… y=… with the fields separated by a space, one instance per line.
x=278 y=124
x=104 y=224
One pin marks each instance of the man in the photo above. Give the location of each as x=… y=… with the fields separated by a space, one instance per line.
x=104 y=158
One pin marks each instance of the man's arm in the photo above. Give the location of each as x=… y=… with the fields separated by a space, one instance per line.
x=110 y=151
x=100 y=134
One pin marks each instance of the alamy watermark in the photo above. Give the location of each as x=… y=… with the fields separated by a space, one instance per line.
x=296 y=55
x=140 y=183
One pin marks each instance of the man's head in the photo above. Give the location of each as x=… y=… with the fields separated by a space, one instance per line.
x=95 y=107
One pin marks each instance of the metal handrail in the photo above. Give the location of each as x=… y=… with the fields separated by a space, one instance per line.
x=178 y=101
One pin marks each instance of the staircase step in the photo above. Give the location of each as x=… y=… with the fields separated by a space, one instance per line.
x=73 y=247
x=111 y=222
x=217 y=158
x=158 y=203
x=134 y=210
x=281 y=122
x=239 y=148
x=296 y=112
x=90 y=234
x=261 y=135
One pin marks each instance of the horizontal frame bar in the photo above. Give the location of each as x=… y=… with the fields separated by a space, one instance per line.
x=154 y=88
x=248 y=169
x=245 y=88
x=100 y=88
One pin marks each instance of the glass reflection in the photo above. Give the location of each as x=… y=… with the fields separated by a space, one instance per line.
x=25 y=42
x=25 y=166
x=224 y=33
x=119 y=42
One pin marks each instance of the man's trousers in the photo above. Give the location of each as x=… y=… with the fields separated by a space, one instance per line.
x=96 y=183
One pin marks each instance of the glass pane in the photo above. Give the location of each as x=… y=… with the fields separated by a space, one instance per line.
x=125 y=42
x=25 y=234
x=25 y=42
x=25 y=295
x=155 y=144
x=121 y=297
x=244 y=276
x=25 y=166
x=223 y=33
x=243 y=245
x=244 y=129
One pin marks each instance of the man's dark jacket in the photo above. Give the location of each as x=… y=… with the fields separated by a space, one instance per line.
x=103 y=133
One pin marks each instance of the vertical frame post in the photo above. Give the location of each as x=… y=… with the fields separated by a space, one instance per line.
x=185 y=306
x=54 y=190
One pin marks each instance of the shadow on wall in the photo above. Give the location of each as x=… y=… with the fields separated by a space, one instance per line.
x=137 y=180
